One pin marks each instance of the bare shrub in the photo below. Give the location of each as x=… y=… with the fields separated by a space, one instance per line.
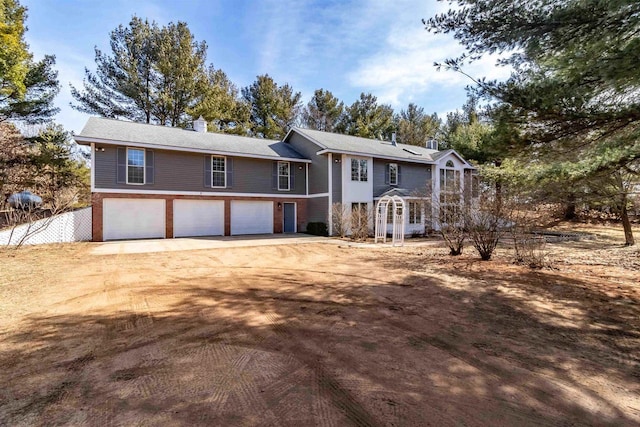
x=529 y=248
x=360 y=219
x=340 y=218
x=486 y=220
x=449 y=219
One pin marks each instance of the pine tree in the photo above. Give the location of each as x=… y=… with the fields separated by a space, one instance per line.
x=221 y=106
x=323 y=111
x=571 y=104
x=27 y=88
x=274 y=109
x=367 y=119
x=153 y=75
x=416 y=128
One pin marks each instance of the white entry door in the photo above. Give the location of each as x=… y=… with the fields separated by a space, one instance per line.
x=251 y=217
x=198 y=218
x=133 y=219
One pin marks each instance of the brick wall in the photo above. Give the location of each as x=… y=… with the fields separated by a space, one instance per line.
x=278 y=211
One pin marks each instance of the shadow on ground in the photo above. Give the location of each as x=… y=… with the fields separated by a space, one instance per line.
x=527 y=348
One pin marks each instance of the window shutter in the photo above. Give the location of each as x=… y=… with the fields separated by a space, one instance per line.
x=292 y=174
x=386 y=174
x=149 y=169
x=121 y=173
x=274 y=177
x=207 y=171
x=229 y=167
x=399 y=175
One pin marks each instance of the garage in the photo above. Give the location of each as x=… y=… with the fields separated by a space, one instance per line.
x=251 y=217
x=198 y=218
x=133 y=219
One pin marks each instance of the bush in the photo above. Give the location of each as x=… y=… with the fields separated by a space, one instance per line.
x=317 y=229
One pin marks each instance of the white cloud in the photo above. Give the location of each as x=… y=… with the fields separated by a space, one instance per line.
x=403 y=67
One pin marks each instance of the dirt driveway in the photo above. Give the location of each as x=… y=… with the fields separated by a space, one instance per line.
x=317 y=334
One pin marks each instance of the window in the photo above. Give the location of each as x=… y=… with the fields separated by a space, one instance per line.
x=415 y=214
x=450 y=196
x=449 y=181
x=358 y=170
x=393 y=174
x=284 y=171
x=471 y=184
x=135 y=166
x=449 y=164
x=218 y=171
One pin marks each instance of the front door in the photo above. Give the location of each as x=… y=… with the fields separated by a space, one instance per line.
x=289 y=217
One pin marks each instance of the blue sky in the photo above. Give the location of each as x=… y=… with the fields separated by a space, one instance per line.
x=347 y=47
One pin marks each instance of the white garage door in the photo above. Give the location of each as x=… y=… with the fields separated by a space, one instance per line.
x=251 y=217
x=133 y=219
x=198 y=218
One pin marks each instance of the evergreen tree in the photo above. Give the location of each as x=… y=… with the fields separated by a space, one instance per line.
x=181 y=73
x=274 y=109
x=367 y=119
x=572 y=101
x=221 y=106
x=323 y=111
x=27 y=88
x=57 y=165
x=153 y=75
x=416 y=128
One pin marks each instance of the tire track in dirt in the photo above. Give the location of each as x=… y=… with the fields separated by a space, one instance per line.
x=328 y=385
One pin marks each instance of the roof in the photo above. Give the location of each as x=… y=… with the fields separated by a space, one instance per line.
x=348 y=144
x=393 y=191
x=111 y=131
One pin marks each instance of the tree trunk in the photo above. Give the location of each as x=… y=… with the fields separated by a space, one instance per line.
x=570 y=208
x=626 y=224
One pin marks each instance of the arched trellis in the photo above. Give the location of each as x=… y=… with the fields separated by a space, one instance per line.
x=382 y=208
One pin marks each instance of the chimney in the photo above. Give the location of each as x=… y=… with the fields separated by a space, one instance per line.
x=200 y=125
x=393 y=139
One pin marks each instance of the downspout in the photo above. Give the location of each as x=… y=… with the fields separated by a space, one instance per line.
x=330 y=219
x=93 y=166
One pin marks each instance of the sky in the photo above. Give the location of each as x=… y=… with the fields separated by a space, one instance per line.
x=345 y=46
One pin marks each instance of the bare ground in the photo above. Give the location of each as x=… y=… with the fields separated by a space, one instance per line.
x=318 y=334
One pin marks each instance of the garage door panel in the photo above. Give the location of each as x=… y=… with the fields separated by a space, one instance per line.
x=251 y=217
x=198 y=218
x=133 y=219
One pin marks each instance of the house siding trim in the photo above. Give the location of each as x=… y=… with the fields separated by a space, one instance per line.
x=206 y=193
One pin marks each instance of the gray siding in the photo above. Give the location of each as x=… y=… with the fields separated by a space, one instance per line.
x=318 y=210
x=318 y=179
x=336 y=177
x=178 y=171
x=413 y=177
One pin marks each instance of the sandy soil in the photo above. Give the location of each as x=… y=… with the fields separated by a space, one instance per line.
x=320 y=334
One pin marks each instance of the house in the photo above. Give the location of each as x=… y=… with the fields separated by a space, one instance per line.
x=150 y=181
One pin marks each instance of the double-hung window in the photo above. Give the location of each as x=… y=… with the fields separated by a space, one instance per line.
x=135 y=166
x=415 y=214
x=359 y=170
x=218 y=171
x=284 y=173
x=393 y=174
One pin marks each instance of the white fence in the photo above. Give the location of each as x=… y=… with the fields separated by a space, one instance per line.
x=67 y=227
